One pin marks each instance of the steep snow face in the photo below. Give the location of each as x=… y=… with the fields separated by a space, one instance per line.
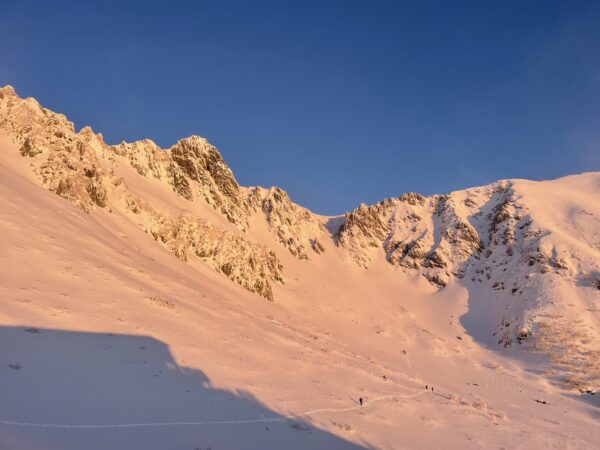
x=542 y=265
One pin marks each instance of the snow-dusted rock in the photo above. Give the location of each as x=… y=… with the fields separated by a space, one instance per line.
x=296 y=228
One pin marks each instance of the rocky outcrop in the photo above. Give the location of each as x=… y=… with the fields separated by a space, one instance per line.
x=147 y=158
x=296 y=228
x=214 y=180
x=28 y=148
x=416 y=232
x=250 y=265
x=66 y=162
x=364 y=230
x=194 y=169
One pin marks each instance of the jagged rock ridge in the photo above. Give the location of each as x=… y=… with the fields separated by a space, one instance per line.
x=82 y=168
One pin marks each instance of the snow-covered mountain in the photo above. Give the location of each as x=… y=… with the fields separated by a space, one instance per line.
x=512 y=269
x=530 y=249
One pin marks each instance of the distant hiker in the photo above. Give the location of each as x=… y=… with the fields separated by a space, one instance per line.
x=360 y=401
x=431 y=388
x=426 y=388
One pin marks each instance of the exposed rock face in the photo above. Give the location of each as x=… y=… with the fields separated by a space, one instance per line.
x=248 y=264
x=66 y=162
x=203 y=164
x=364 y=229
x=193 y=168
x=147 y=158
x=296 y=228
x=444 y=236
x=28 y=148
x=415 y=232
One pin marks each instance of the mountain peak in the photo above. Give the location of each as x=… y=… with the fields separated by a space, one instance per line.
x=194 y=139
x=8 y=91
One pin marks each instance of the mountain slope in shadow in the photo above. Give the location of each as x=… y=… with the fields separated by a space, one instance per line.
x=78 y=378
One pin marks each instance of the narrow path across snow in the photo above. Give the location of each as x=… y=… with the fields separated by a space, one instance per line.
x=217 y=422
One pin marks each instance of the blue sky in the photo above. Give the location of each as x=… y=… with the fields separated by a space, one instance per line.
x=337 y=102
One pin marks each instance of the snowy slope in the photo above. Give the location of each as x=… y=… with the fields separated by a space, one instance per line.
x=136 y=296
x=528 y=252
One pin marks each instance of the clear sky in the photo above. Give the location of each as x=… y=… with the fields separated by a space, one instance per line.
x=337 y=102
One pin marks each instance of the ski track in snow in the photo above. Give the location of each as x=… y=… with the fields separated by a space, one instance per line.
x=311 y=412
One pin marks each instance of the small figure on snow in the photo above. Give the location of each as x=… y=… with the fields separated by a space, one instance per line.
x=360 y=400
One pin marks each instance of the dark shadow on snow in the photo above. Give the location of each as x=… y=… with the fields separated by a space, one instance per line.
x=333 y=225
x=79 y=378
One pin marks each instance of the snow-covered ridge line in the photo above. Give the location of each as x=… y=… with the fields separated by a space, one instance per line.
x=529 y=250
x=83 y=169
